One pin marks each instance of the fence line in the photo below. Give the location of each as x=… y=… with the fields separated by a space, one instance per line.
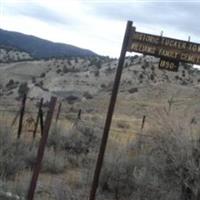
x=21 y=116
x=38 y=118
x=41 y=149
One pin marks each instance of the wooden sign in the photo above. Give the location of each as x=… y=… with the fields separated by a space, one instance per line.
x=164 y=47
x=171 y=65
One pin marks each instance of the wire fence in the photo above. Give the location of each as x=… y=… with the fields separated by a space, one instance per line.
x=31 y=116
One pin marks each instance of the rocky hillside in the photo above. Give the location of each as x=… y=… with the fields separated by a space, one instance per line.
x=76 y=79
x=39 y=48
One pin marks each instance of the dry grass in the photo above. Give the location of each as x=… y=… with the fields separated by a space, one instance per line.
x=132 y=164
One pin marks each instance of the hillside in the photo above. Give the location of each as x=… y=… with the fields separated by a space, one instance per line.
x=95 y=75
x=39 y=48
x=135 y=156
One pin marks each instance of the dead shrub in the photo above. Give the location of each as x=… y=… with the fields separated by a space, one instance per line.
x=122 y=124
x=164 y=164
x=53 y=162
x=14 y=154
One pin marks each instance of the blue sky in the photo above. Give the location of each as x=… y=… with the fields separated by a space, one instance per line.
x=99 y=25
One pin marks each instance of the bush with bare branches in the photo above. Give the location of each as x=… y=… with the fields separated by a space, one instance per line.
x=163 y=163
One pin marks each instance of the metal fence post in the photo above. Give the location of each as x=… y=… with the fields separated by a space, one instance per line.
x=79 y=114
x=15 y=118
x=38 y=117
x=41 y=122
x=143 y=122
x=21 y=116
x=58 y=113
x=41 y=149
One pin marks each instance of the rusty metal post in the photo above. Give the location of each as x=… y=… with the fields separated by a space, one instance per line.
x=41 y=122
x=21 y=116
x=41 y=149
x=38 y=117
x=58 y=113
x=15 y=118
x=143 y=122
x=79 y=114
x=110 y=111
